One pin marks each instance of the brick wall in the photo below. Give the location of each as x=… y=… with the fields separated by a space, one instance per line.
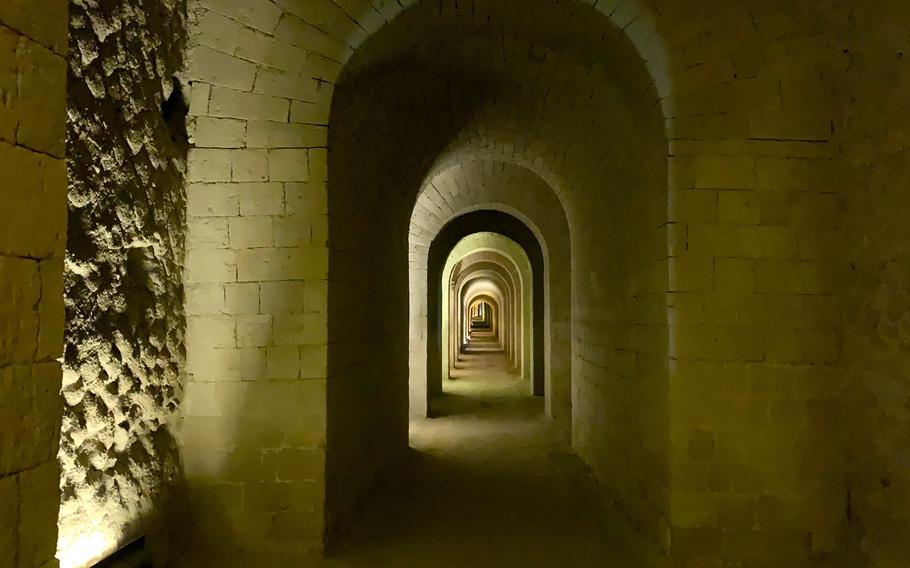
x=32 y=236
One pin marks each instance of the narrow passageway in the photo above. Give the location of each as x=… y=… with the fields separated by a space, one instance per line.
x=491 y=483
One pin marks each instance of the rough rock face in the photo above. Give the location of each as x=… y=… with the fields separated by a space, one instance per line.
x=124 y=293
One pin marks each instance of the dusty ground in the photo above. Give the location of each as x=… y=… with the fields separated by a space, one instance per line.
x=493 y=484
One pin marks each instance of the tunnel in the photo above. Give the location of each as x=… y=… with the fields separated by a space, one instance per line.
x=454 y=283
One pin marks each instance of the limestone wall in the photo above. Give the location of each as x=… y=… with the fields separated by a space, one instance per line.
x=32 y=237
x=873 y=283
x=126 y=153
x=254 y=417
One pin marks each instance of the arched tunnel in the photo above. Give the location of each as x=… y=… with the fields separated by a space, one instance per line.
x=454 y=283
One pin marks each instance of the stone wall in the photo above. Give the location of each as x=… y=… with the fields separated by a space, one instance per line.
x=32 y=237
x=126 y=153
x=254 y=418
x=873 y=251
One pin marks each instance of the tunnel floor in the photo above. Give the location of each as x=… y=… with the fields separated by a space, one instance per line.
x=491 y=483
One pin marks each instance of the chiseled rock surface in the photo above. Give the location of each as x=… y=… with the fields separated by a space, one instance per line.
x=126 y=149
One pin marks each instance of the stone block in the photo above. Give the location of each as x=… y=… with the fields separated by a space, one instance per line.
x=300 y=329
x=322 y=68
x=768 y=242
x=199 y=400
x=9 y=77
x=258 y=14
x=319 y=164
x=42 y=98
x=229 y=103
x=271 y=52
x=282 y=297
x=206 y=164
x=714 y=240
x=691 y=274
x=295 y=31
x=794 y=277
x=293 y=231
x=283 y=363
x=214 y=364
x=219 y=32
x=242 y=298
x=254 y=363
x=254 y=330
x=9 y=520
x=782 y=174
x=288 y=165
x=209 y=132
x=217 y=68
x=20 y=287
x=39 y=503
x=310 y=113
x=309 y=263
x=211 y=266
x=208 y=233
x=316 y=295
x=325 y=15
x=265 y=134
x=388 y=8
x=293 y=464
x=288 y=85
x=249 y=165
x=35 y=197
x=306 y=199
x=251 y=232
x=313 y=362
x=734 y=275
x=739 y=207
x=199 y=98
x=261 y=199
x=267 y=497
x=47 y=25
x=50 y=311
x=212 y=200
x=211 y=331
x=724 y=172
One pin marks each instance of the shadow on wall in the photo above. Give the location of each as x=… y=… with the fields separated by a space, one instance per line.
x=370 y=204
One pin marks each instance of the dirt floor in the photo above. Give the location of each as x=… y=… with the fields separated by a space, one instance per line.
x=492 y=484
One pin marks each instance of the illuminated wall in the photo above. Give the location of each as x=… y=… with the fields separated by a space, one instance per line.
x=126 y=153
x=32 y=237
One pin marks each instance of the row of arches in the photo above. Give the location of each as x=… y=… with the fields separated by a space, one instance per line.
x=604 y=141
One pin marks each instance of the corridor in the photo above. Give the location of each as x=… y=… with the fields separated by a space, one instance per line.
x=491 y=483
x=467 y=283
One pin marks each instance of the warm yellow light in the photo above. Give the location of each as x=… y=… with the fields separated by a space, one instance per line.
x=86 y=549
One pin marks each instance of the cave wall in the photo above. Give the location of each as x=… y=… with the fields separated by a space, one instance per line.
x=126 y=153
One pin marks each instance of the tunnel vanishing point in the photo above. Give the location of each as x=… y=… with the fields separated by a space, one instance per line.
x=455 y=283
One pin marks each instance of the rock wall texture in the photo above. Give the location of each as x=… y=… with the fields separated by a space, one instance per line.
x=124 y=350
x=32 y=232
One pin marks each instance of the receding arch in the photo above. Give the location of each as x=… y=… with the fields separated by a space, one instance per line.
x=506 y=255
x=445 y=241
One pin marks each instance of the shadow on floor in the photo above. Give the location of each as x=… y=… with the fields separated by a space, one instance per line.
x=491 y=483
